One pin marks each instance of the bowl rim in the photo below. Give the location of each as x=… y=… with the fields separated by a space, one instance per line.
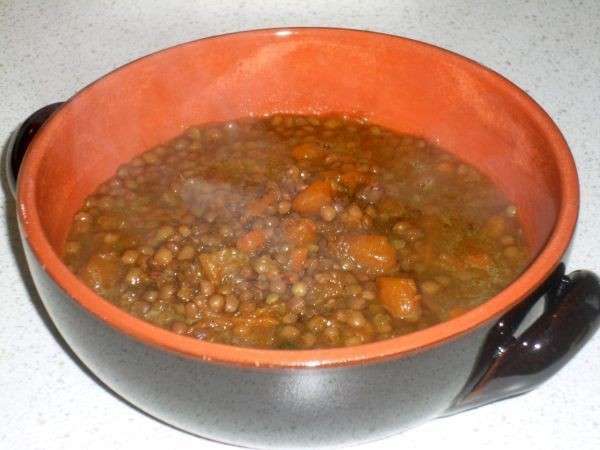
x=541 y=267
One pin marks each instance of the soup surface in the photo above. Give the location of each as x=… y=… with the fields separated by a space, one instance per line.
x=296 y=232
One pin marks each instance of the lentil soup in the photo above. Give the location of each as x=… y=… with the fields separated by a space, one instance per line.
x=296 y=232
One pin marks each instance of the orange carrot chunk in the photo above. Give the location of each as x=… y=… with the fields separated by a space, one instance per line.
x=252 y=241
x=479 y=260
x=399 y=297
x=260 y=205
x=300 y=232
x=354 y=178
x=328 y=175
x=311 y=199
x=371 y=252
x=298 y=259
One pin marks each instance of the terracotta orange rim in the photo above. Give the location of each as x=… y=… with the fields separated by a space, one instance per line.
x=143 y=331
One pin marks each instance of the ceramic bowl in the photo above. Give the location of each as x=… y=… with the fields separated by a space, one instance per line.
x=310 y=398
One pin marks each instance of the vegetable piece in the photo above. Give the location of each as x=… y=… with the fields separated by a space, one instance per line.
x=479 y=260
x=221 y=265
x=300 y=232
x=101 y=272
x=399 y=297
x=354 y=178
x=369 y=252
x=252 y=241
x=260 y=205
x=211 y=267
x=329 y=175
x=311 y=199
x=298 y=259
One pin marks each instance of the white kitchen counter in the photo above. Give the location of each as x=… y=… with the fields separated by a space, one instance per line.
x=48 y=50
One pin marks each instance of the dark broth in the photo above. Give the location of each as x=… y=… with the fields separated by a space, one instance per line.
x=296 y=232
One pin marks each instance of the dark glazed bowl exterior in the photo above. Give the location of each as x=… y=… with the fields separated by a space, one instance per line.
x=273 y=398
x=266 y=408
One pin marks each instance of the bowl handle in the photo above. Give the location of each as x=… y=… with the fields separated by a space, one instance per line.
x=513 y=362
x=20 y=140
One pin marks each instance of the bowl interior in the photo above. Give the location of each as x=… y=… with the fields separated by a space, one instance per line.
x=393 y=82
x=402 y=84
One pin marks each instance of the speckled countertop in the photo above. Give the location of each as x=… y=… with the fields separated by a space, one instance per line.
x=50 y=49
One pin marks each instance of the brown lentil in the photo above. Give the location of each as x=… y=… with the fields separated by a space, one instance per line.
x=299 y=289
x=328 y=213
x=129 y=257
x=163 y=256
x=216 y=302
x=231 y=304
x=289 y=333
x=178 y=327
x=186 y=253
